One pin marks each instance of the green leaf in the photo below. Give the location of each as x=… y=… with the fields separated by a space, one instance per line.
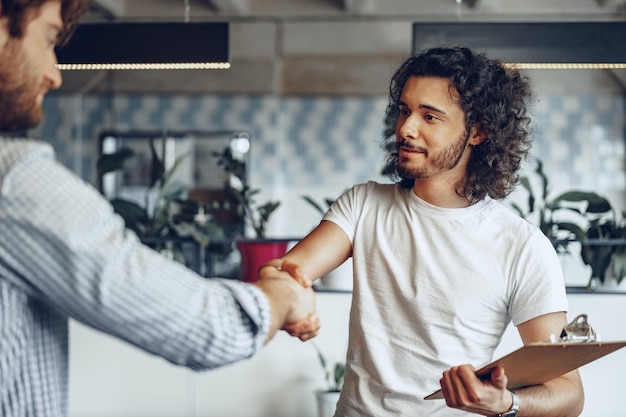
x=253 y=192
x=544 y=179
x=340 y=371
x=599 y=205
x=157 y=167
x=168 y=177
x=574 y=229
x=266 y=210
x=129 y=209
x=525 y=182
x=135 y=217
x=619 y=264
x=313 y=203
x=595 y=203
x=175 y=190
x=114 y=161
x=598 y=257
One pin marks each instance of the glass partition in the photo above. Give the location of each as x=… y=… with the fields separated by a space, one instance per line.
x=188 y=162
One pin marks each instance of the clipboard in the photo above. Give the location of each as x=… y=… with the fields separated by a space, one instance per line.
x=537 y=363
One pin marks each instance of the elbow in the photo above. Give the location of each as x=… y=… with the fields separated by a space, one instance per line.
x=580 y=404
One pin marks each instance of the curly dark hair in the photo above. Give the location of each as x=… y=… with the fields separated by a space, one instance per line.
x=493 y=97
x=19 y=13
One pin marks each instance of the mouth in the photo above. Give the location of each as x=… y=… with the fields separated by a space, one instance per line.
x=407 y=150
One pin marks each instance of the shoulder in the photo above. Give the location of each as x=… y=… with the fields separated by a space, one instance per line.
x=509 y=218
x=14 y=151
x=19 y=152
x=366 y=196
x=374 y=189
x=516 y=233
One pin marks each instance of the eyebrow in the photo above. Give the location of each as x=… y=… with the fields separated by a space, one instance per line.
x=58 y=28
x=425 y=106
x=54 y=23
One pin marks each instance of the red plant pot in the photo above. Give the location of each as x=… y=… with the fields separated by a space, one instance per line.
x=255 y=253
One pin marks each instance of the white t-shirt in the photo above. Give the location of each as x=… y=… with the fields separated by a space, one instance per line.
x=434 y=288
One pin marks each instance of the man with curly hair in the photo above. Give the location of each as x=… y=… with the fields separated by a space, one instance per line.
x=440 y=266
x=65 y=254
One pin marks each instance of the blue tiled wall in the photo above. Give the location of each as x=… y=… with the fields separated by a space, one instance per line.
x=320 y=146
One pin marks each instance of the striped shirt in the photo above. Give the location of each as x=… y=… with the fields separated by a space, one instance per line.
x=64 y=253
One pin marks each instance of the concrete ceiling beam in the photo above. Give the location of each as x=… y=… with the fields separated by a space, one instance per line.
x=112 y=9
x=359 y=6
x=230 y=7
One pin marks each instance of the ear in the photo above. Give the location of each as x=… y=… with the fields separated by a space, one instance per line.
x=477 y=135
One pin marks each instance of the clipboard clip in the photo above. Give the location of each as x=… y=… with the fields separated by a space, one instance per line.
x=579 y=331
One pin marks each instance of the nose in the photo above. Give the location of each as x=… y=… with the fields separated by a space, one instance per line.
x=408 y=127
x=52 y=76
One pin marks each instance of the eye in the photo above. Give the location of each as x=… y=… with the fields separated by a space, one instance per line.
x=52 y=38
x=403 y=111
x=430 y=117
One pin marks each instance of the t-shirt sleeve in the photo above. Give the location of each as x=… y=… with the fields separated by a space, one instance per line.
x=538 y=287
x=345 y=210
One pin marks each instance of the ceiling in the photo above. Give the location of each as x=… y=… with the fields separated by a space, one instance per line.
x=349 y=9
x=300 y=47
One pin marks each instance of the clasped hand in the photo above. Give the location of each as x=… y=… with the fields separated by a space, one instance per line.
x=464 y=390
x=302 y=320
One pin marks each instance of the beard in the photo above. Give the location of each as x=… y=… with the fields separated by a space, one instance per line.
x=19 y=89
x=443 y=160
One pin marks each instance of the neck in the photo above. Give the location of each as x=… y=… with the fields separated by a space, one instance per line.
x=440 y=191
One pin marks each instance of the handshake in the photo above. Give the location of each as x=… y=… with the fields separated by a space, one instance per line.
x=291 y=297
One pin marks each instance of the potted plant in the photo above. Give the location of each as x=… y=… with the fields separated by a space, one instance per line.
x=258 y=250
x=579 y=216
x=167 y=219
x=255 y=215
x=333 y=376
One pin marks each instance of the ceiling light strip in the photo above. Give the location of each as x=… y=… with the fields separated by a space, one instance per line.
x=144 y=66
x=562 y=66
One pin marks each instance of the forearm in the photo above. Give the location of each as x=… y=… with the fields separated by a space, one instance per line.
x=324 y=249
x=463 y=389
x=561 y=397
